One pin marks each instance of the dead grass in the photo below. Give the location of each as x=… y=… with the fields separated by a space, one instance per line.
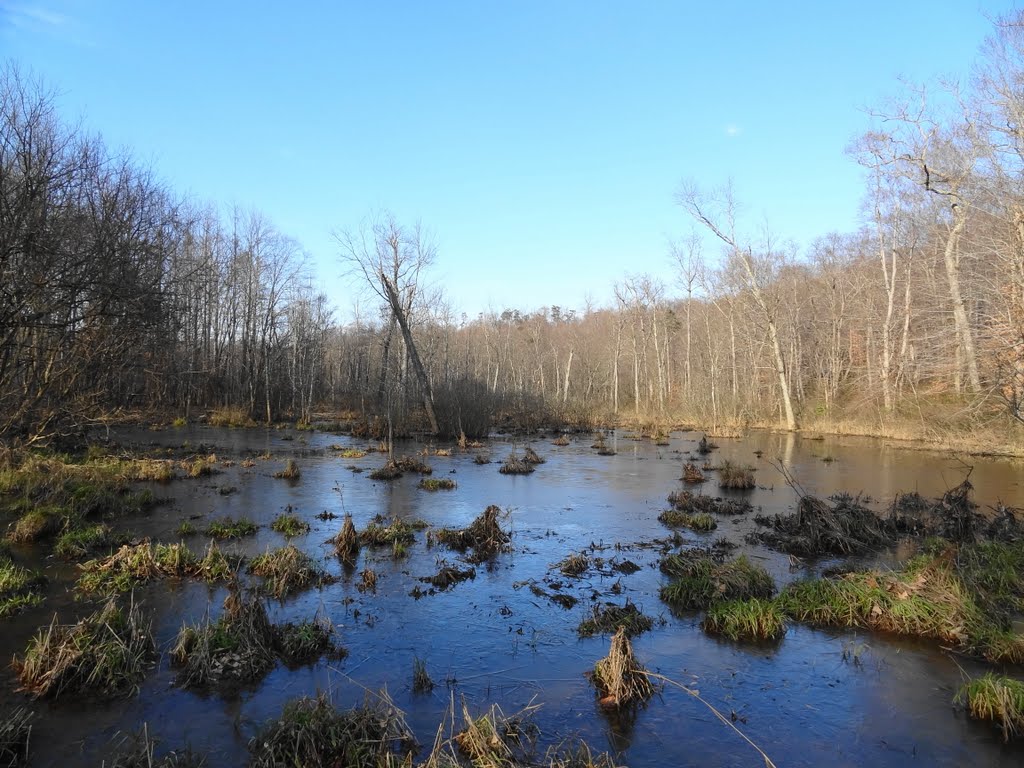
x=143 y=562
x=286 y=570
x=290 y=472
x=735 y=476
x=105 y=654
x=842 y=528
x=437 y=484
x=516 y=465
x=612 y=618
x=15 y=737
x=530 y=456
x=484 y=536
x=575 y=565
x=230 y=416
x=998 y=699
x=448 y=576
x=620 y=679
x=346 y=541
x=692 y=474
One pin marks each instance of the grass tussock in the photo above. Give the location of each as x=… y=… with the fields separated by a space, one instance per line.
x=311 y=733
x=696 y=521
x=20 y=587
x=15 y=736
x=229 y=528
x=230 y=416
x=575 y=565
x=530 y=456
x=844 y=527
x=494 y=740
x=699 y=581
x=286 y=570
x=516 y=465
x=412 y=464
x=754 y=619
x=997 y=699
x=697 y=503
x=305 y=642
x=290 y=471
x=448 y=576
x=437 y=484
x=395 y=531
x=620 y=679
x=484 y=536
x=692 y=474
x=612 y=618
x=143 y=562
x=482 y=458
x=289 y=525
x=200 y=466
x=367 y=580
x=389 y=471
x=735 y=476
x=105 y=654
x=349 y=453
x=92 y=540
x=934 y=596
x=561 y=441
x=421 y=680
x=346 y=541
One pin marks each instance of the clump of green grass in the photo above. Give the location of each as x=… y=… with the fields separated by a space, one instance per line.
x=240 y=646
x=484 y=536
x=515 y=465
x=310 y=732
x=735 y=476
x=351 y=453
x=187 y=528
x=754 y=619
x=20 y=587
x=77 y=543
x=620 y=679
x=700 y=581
x=611 y=618
x=200 y=466
x=286 y=570
x=421 y=680
x=229 y=528
x=437 y=484
x=134 y=565
x=290 y=471
x=15 y=734
x=698 y=521
x=304 y=643
x=105 y=654
x=39 y=523
x=290 y=525
x=998 y=699
x=376 y=534
x=346 y=542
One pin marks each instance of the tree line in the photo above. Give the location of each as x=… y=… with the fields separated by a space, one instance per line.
x=118 y=293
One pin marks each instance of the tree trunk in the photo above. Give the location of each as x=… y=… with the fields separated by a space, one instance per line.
x=421 y=374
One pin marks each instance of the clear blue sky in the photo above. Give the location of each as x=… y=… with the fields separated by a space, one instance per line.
x=541 y=141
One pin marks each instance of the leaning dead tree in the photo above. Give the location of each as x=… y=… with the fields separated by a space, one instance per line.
x=390 y=257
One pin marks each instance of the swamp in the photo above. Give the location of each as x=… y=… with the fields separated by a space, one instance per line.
x=364 y=605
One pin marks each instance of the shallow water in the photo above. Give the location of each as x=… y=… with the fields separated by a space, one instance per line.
x=816 y=697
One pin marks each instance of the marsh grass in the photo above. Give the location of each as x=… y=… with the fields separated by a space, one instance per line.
x=230 y=528
x=611 y=618
x=286 y=570
x=697 y=521
x=389 y=471
x=437 y=484
x=844 y=527
x=575 y=565
x=397 y=531
x=495 y=740
x=15 y=737
x=449 y=576
x=77 y=543
x=230 y=416
x=735 y=476
x=753 y=620
x=515 y=465
x=239 y=646
x=311 y=733
x=20 y=587
x=349 y=453
x=421 y=680
x=290 y=471
x=200 y=466
x=367 y=580
x=346 y=541
x=692 y=474
x=482 y=458
x=484 y=536
x=307 y=641
x=289 y=525
x=530 y=456
x=561 y=441
x=105 y=654
x=620 y=679
x=143 y=562
x=699 y=581
x=412 y=464
x=138 y=750
x=998 y=699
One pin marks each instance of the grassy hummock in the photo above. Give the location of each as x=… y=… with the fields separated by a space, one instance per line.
x=696 y=521
x=754 y=619
x=699 y=581
x=289 y=472
x=286 y=570
x=735 y=476
x=998 y=699
x=310 y=732
x=437 y=484
x=229 y=528
x=395 y=532
x=612 y=618
x=484 y=536
x=20 y=587
x=346 y=541
x=516 y=465
x=619 y=678
x=105 y=654
x=290 y=525
x=134 y=565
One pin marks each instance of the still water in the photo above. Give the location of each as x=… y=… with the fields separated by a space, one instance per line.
x=814 y=698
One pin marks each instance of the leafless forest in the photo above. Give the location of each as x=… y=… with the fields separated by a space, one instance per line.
x=119 y=295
